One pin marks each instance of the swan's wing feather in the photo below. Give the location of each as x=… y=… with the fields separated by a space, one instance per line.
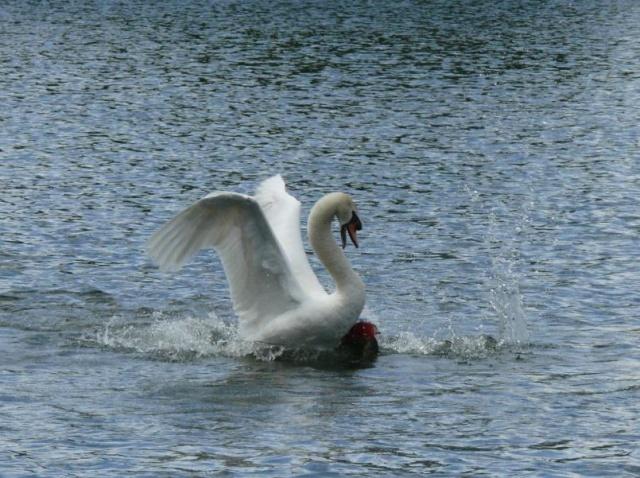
x=260 y=279
x=282 y=212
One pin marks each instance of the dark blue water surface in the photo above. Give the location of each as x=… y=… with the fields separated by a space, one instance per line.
x=493 y=150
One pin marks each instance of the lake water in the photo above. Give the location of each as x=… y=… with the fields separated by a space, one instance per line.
x=493 y=150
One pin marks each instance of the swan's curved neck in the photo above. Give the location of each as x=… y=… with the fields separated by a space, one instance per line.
x=347 y=281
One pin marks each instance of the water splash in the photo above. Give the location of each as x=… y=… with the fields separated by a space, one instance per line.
x=178 y=339
x=502 y=239
x=504 y=280
x=506 y=300
x=465 y=347
x=192 y=338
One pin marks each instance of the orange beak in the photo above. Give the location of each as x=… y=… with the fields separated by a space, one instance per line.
x=351 y=227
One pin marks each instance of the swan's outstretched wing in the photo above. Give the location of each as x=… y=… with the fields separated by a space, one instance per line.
x=283 y=214
x=260 y=278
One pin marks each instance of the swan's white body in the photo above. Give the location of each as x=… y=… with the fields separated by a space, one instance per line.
x=275 y=293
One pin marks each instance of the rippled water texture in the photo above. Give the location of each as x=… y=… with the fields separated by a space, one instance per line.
x=492 y=148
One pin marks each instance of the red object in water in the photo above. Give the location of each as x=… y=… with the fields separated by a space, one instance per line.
x=361 y=340
x=361 y=330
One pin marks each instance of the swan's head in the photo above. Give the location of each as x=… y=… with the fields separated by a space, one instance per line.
x=349 y=221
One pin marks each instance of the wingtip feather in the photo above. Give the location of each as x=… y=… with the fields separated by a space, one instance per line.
x=158 y=250
x=274 y=184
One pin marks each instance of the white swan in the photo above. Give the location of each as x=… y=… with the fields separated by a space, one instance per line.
x=276 y=295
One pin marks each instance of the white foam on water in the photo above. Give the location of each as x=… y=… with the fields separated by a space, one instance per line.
x=466 y=347
x=180 y=338
x=188 y=338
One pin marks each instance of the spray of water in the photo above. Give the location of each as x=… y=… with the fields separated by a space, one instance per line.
x=177 y=338
x=507 y=303
x=503 y=284
x=502 y=242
